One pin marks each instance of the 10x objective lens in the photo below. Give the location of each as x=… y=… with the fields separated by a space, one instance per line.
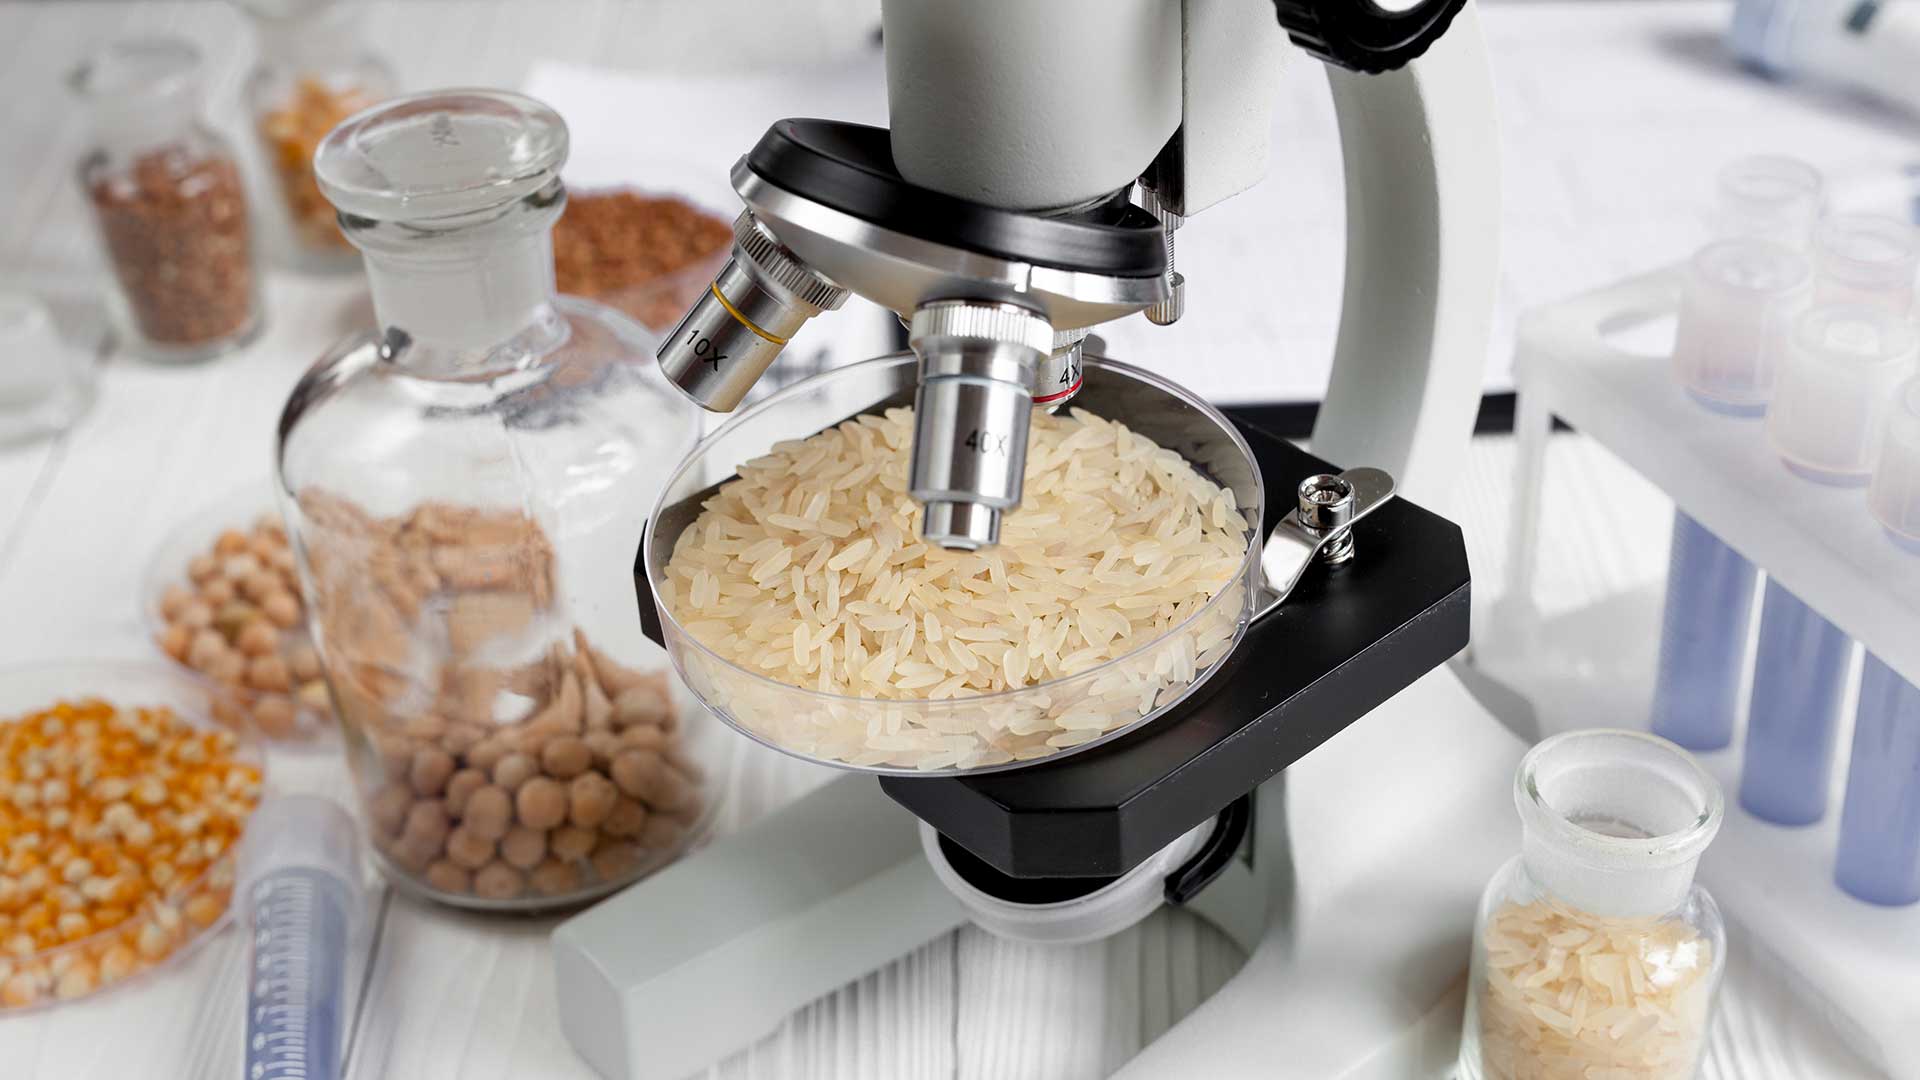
x=733 y=333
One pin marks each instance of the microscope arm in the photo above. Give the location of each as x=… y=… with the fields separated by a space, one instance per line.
x=1374 y=848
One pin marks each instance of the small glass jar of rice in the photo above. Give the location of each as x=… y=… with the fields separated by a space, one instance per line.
x=801 y=605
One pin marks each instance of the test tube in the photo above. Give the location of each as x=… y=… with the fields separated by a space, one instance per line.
x=1879 y=856
x=1703 y=638
x=1866 y=259
x=301 y=875
x=1738 y=301
x=1836 y=383
x=1768 y=197
x=1799 y=678
x=1894 y=496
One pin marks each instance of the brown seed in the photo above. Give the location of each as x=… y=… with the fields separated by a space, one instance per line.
x=218 y=592
x=460 y=738
x=571 y=842
x=514 y=770
x=604 y=744
x=469 y=849
x=498 y=881
x=662 y=833
x=233 y=616
x=489 y=811
x=313 y=695
x=304 y=662
x=388 y=808
x=269 y=673
x=265 y=546
x=258 y=638
x=555 y=878
x=590 y=798
x=412 y=853
x=460 y=787
x=261 y=584
x=642 y=703
x=228 y=669
x=565 y=757
x=615 y=861
x=275 y=716
x=230 y=542
x=541 y=803
x=395 y=755
x=680 y=758
x=239 y=566
x=176 y=641
x=202 y=568
x=644 y=737
x=282 y=608
x=427 y=823
x=523 y=847
x=639 y=772
x=172 y=599
x=196 y=614
x=488 y=753
x=430 y=770
x=627 y=819
x=449 y=876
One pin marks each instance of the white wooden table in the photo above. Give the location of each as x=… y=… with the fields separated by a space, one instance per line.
x=452 y=995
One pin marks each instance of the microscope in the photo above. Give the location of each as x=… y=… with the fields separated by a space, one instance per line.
x=1040 y=158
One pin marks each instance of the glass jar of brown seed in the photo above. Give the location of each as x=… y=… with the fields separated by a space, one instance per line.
x=167 y=195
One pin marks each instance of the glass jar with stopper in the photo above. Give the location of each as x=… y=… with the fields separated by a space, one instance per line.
x=166 y=193
x=314 y=69
x=466 y=487
x=1595 y=953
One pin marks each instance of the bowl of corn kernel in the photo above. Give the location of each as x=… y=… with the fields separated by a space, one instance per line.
x=121 y=810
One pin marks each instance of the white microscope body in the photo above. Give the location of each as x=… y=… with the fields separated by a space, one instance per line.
x=1355 y=897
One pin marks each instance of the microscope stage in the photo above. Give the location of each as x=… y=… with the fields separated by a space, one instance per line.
x=1347 y=639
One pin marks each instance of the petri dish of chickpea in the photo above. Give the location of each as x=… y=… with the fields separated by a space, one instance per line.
x=222 y=600
x=122 y=806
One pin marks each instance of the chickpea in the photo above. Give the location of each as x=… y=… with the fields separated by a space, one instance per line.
x=489 y=812
x=555 y=878
x=314 y=695
x=604 y=744
x=425 y=726
x=269 y=673
x=430 y=770
x=197 y=614
x=523 y=847
x=566 y=757
x=176 y=641
x=258 y=638
x=644 y=737
x=460 y=738
x=240 y=566
x=426 y=823
x=275 y=716
x=571 y=842
x=202 y=568
x=217 y=592
x=230 y=542
x=641 y=703
x=173 y=599
x=627 y=819
x=229 y=668
x=260 y=584
x=638 y=773
x=541 y=803
x=460 y=787
x=388 y=808
x=448 y=876
x=514 y=770
x=487 y=753
x=498 y=881
x=469 y=849
x=615 y=860
x=282 y=608
x=590 y=798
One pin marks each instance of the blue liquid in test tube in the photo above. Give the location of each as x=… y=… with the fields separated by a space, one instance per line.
x=1879 y=859
x=1703 y=638
x=1799 y=677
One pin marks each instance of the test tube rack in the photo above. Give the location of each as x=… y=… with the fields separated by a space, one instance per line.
x=1857 y=963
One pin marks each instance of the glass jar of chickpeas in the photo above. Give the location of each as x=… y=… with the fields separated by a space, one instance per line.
x=314 y=70
x=466 y=486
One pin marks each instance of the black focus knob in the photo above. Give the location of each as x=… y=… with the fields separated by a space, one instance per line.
x=1363 y=36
